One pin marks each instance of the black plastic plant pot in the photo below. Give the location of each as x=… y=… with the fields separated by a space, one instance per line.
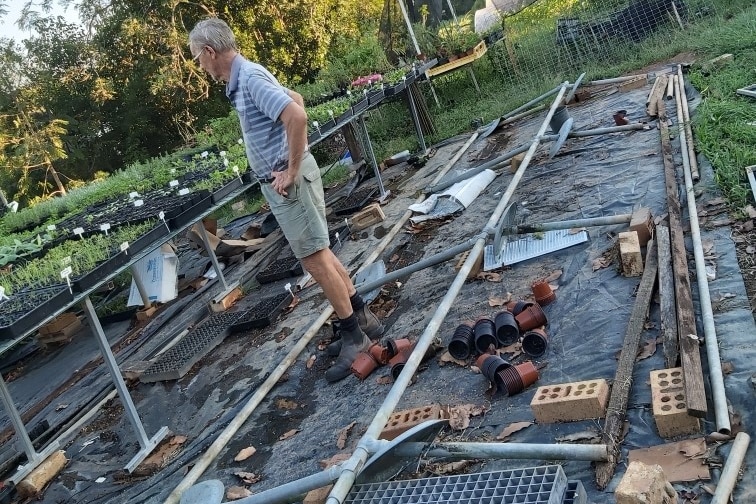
x=247 y=177
x=484 y=334
x=462 y=342
x=148 y=239
x=327 y=126
x=535 y=342
x=507 y=330
x=491 y=367
x=516 y=307
x=262 y=314
x=112 y=318
x=313 y=137
x=279 y=269
x=100 y=272
x=232 y=185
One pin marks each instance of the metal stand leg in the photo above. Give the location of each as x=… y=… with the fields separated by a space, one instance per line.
x=433 y=92
x=472 y=76
x=214 y=259
x=33 y=458
x=140 y=287
x=368 y=150
x=147 y=444
x=416 y=119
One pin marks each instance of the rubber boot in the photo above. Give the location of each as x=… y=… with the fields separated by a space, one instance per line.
x=369 y=324
x=352 y=343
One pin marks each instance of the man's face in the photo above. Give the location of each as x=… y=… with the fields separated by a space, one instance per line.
x=206 y=58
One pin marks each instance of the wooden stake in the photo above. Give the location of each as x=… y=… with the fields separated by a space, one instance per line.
x=623 y=377
x=690 y=355
x=668 y=307
x=670 y=87
x=688 y=129
x=660 y=85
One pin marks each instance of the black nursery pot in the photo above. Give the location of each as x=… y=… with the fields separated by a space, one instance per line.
x=507 y=330
x=462 y=342
x=485 y=334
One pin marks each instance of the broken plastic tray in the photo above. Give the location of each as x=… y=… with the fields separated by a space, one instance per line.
x=262 y=314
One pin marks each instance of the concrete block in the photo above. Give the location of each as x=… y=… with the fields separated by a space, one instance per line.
x=642 y=223
x=570 y=402
x=669 y=404
x=630 y=254
x=644 y=484
x=371 y=214
x=404 y=420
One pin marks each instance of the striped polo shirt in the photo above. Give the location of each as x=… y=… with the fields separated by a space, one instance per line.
x=259 y=99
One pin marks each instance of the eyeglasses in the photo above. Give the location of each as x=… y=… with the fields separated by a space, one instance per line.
x=197 y=56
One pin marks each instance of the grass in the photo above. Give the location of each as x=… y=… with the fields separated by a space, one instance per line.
x=720 y=124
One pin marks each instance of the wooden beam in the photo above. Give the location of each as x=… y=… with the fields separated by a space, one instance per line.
x=623 y=377
x=690 y=354
x=660 y=85
x=668 y=306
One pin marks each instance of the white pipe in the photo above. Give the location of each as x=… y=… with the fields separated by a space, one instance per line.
x=615 y=80
x=355 y=463
x=203 y=462
x=529 y=451
x=731 y=469
x=688 y=129
x=721 y=415
x=409 y=27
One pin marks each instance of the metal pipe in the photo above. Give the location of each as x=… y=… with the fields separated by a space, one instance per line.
x=569 y=224
x=716 y=377
x=433 y=188
x=615 y=80
x=529 y=451
x=359 y=457
x=293 y=489
x=532 y=111
x=688 y=130
x=527 y=105
x=731 y=469
x=440 y=257
x=409 y=26
x=203 y=462
x=572 y=92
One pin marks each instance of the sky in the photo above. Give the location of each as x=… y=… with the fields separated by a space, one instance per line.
x=8 y=26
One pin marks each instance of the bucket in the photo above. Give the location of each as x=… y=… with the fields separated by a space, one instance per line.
x=560 y=116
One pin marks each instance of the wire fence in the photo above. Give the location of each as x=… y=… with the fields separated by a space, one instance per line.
x=551 y=39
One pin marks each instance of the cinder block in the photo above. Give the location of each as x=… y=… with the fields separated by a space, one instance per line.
x=570 y=402
x=644 y=484
x=371 y=214
x=642 y=223
x=670 y=405
x=630 y=254
x=404 y=420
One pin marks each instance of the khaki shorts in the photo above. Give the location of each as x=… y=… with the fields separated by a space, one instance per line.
x=301 y=213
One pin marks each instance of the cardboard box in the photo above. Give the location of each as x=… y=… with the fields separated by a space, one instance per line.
x=159 y=274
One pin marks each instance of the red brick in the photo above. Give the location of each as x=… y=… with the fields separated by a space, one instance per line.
x=404 y=420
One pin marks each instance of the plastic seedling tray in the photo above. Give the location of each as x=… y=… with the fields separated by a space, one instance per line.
x=25 y=310
x=281 y=267
x=375 y=96
x=201 y=202
x=262 y=314
x=232 y=185
x=395 y=89
x=94 y=277
x=355 y=201
x=360 y=107
x=148 y=239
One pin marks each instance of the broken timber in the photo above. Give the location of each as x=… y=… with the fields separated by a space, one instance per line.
x=657 y=91
x=690 y=355
x=667 y=308
x=623 y=378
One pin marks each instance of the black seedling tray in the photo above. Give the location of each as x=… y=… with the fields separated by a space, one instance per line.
x=147 y=239
x=281 y=267
x=343 y=235
x=232 y=185
x=26 y=310
x=100 y=272
x=355 y=201
x=262 y=314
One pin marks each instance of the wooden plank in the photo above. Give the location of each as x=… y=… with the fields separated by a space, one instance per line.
x=667 y=302
x=690 y=354
x=478 y=52
x=660 y=85
x=623 y=377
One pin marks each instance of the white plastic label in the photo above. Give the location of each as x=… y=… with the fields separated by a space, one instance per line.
x=79 y=231
x=288 y=288
x=105 y=227
x=2 y=294
x=173 y=171
x=173 y=183
x=316 y=124
x=51 y=227
x=124 y=246
x=138 y=203
x=183 y=191
x=133 y=194
x=161 y=215
x=235 y=169
x=65 y=261
x=66 y=272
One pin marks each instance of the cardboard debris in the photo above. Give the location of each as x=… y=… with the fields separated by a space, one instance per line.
x=681 y=461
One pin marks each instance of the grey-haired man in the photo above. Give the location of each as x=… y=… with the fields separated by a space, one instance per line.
x=274 y=126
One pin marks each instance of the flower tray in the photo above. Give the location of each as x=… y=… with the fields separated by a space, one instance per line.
x=100 y=272
x=355 y=201
x=395 y=89
x=199 y=202
x=232 y=185
x=148 y=239
x=360 y=107
x=279 y=269
x=262 y=314
x=344 y=118
x=375 y=97
x=27 y=310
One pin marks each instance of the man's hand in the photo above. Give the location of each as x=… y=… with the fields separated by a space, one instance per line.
x=283 y=180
